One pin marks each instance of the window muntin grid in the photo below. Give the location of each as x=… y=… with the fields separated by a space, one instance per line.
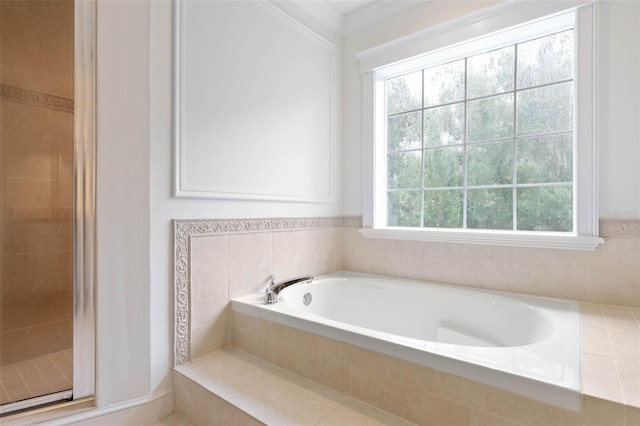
x=447 y=184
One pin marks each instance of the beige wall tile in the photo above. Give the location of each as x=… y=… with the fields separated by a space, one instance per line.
x=209 y=337
x=631 y=416
x=481 y=418
x=32 y=236
x=591 y=315
x=37 y=308
x=353 y=355
x=295 y=337
x=250 y=263
x=209 y=279
x=455 y=388
x=325 y=371
x=528 y=411
x=614 y=272
x=225 y=414
x=406 y=401
x=302 y=253
x=26 y=275
x=600 y=378
x=490 y=267
x=37 y=142
x=191 y=401
x=441 y=263
x=248 y=322
x=355 y=249
x=37 y=55
x=600 y=412
x=36 y=341
x=552 y=273
x=354 y=412
x=29 y=200
x=59 y=12
x=258 y=345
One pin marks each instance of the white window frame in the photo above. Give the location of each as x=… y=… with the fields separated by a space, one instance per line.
x=382 y=61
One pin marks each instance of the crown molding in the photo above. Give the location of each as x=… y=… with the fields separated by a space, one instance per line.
x=340 y=24
x=377 y=12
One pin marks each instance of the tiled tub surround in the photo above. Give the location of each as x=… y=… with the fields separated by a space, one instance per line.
x=523 y=344
x=219 y=260
x=430 y=397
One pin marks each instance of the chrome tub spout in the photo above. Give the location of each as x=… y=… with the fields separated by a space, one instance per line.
x=271 y=294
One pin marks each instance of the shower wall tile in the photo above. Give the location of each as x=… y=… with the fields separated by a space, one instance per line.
x=31 y=45
x=31 y=309
x=37 y=142
x=59 y=12
x=38 y=236
x=36 y=341
x=27 y=274
x=250 y=263
x=209 y=279
x=33 y=200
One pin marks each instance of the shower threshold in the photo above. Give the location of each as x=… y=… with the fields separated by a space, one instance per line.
x=38 y=401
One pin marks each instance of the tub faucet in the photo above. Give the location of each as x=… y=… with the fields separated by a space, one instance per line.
x=271 y=294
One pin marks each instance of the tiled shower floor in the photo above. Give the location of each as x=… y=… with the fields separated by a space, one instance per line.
x=35 y=377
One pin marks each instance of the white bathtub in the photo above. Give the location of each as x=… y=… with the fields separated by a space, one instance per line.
x=523 y=344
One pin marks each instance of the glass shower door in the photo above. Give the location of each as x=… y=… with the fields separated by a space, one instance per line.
x=36 y=201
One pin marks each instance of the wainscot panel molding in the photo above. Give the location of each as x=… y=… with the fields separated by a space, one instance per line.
x=256 y=104
x=185 y=230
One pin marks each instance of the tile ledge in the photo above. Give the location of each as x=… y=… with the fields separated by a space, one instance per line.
x=229 y=388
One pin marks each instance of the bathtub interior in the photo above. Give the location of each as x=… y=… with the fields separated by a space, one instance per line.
x=433 y=313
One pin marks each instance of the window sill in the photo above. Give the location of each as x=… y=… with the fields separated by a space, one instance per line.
x=496 y=238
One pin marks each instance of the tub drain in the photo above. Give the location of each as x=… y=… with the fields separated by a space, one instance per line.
x=306 y=299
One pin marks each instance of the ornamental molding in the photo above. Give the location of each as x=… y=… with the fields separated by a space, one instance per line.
x=184 y=230
x=620 y=227
x=35 y=98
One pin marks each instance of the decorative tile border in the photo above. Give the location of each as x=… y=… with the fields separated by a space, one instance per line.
x=35 y=98
x=185 y=229
x=620 y=227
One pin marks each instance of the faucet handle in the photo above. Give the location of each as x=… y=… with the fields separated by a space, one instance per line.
x=273 y=279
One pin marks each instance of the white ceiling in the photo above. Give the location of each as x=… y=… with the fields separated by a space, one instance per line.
x=345 y=7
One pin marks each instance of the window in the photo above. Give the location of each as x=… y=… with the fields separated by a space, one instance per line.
x=488 y=139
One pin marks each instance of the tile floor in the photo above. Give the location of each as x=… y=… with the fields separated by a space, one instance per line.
x=35 y=377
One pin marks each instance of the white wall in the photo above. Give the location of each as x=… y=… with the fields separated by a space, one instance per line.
x=135 y=203
x=164 y=208
x=619 y=92
x=123 y=327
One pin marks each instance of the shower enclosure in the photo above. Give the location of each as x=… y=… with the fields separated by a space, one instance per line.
x=45 y=216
